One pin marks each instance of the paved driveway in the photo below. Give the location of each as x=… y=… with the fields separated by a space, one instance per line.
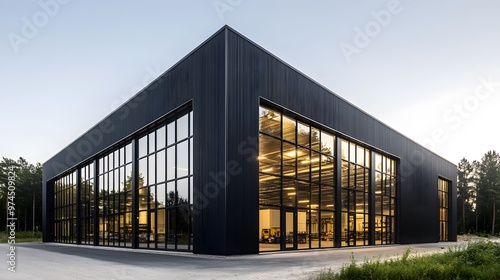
x=60 y=261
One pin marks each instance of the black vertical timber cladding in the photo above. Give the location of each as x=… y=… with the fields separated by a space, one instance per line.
x=197 y=78
x=254 y=73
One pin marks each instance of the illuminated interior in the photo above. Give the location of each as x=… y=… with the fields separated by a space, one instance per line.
x=297 y=188
x=443 y=193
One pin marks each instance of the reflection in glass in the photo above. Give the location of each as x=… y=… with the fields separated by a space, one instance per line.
x=182 y=191
x=182 y=159
x=152 y=146
x=171 y=163
x=143 y=172
x=128 y=153
x=360 y=156
x=303 y=134
x=171 y=133
x=160 y=138
x=151 y=170
x=270 y=121
x=171 y=235
x=191 y=128
x=152 y=197
x=191 y=201
x=128 y=177
x=344 y=149
x=182 y=127
x=315 y=139
x=327 y=143
x=289 y=129
x=352 y=152
x=143 y=146
x=122 y=156
x=171 y=197
x=161 y=195
x=160 y=166
x=191 y=162
x=116 y=158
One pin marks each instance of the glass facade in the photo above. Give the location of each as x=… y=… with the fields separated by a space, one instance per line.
x=298 y=187
x=65 y=209
x=87 y=204
x=385 y=199
x=163 y=162
x=166 y=186
x=443 y=194
x=355 y=194
x=317 y=189
x=297 y=184
x=115 y=197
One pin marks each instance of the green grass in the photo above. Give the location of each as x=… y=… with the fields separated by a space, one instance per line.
x=479 y=260
x=22 y=237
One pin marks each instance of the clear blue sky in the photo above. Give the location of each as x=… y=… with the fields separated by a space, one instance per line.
x=429 y=69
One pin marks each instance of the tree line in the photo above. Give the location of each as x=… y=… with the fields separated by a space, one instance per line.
x=27 y=202
x=478 y=194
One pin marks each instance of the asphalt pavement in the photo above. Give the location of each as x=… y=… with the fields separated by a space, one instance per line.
x=62 y=261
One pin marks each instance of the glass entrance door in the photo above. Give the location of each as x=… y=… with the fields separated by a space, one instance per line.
x=289 y=235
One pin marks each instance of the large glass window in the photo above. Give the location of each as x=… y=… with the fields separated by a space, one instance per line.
x=87 y=204
x=443 y=195
x=164 y=173
x=65 y=209
x=296 y=183
x=385 y=199
x=355 y=194
x=115 y=197
x=297 y=187
x=166 y=185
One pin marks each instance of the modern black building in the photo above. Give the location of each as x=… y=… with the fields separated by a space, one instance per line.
x=232 y=151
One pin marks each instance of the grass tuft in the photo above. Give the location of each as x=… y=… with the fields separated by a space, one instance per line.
x=478 y=260
x=22 y=236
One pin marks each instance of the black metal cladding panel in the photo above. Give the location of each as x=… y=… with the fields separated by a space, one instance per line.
x=209 y=151
x=246 y=81
x=47 y=216
x=254 y=73
x=198 y=77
